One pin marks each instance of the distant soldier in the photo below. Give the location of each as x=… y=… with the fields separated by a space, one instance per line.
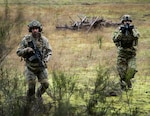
x=126 y=40
x=36 y=51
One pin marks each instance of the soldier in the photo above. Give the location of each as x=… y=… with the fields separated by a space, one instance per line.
x=126 y=40
x=36 y=51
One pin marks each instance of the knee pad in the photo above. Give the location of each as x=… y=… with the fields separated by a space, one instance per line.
x=130 y=73
x=45 y=85
x=42 y=89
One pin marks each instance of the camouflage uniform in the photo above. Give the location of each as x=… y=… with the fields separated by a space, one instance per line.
x=126 y=40
x=34 y=69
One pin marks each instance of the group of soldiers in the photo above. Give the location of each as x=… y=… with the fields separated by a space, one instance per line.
x=36 y=51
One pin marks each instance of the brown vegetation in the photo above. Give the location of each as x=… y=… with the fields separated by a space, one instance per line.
x=78 y=52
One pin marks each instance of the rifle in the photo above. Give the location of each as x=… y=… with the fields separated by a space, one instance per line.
x=36 y=56
x=126 y=29
x=130 y=41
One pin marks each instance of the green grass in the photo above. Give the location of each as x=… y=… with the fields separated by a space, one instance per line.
x=79 y=53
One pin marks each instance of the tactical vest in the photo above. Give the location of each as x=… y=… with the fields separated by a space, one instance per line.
x=127 y=40
x=34 y=60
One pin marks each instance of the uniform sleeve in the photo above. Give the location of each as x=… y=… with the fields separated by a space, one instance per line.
x=136 y=36
x=117 y=37
x=136 y=33
x=22 y=50
x=47 y=50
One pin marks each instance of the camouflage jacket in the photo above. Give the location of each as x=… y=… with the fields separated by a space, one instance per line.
x=126 y=40
x=42 y=45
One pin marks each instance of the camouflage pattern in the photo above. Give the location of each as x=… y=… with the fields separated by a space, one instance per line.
x=126 y=18
x=126 y=61
x=42 y=44
x=33 y=69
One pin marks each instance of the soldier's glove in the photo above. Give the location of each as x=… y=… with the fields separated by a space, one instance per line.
x=135 y=33
x=28 y=50
x=47 y=58
x=117 y=37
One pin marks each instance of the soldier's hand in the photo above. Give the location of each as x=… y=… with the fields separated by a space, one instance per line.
x=135 y=33
x=47 y=58
x=29 y=50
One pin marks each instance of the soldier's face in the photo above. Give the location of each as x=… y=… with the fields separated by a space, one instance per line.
x=127 y=22
x=35 y=31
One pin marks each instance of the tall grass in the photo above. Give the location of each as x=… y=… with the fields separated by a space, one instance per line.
x=11 y=90
x=89 y=95
x=11 y=86
x=64 y=89
x=105 y=87
x=61 y=90
x=9 y=26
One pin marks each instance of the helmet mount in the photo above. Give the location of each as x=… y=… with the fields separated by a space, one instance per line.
x=126 y=18
x=34 y=24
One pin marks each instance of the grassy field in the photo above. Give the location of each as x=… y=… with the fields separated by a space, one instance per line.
x=65 y=2
x=78 y=52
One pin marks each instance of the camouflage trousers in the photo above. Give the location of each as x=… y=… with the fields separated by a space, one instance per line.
x=31 y=77
x=126 y=65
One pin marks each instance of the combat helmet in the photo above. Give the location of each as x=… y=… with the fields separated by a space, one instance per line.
x=35 y=23
x=126 y=18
